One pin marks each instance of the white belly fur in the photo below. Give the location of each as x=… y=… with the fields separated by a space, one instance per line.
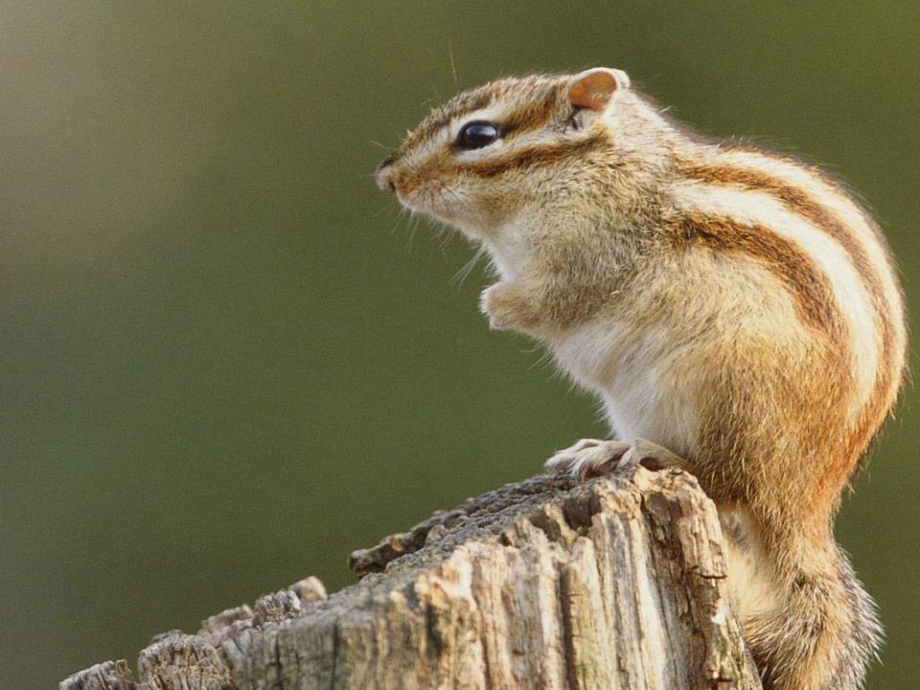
x=644 y=383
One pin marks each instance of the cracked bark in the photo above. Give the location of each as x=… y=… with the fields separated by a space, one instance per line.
x=617 y=582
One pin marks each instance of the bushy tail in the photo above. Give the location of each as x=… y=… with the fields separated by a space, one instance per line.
x=823 y=635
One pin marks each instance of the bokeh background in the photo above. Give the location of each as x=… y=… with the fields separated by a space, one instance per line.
x=227 y=362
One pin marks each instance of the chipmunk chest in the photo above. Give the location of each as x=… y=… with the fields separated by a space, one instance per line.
x=642 y=377
x=591 y=354
x=510 y=247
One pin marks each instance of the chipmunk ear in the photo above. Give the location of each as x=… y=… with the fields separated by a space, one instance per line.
x=594 y=88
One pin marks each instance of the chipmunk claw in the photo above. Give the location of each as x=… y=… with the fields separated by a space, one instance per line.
x=591 y=457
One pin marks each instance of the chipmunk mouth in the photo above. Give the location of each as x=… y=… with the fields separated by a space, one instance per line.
x=434 y=199
x=432 y=196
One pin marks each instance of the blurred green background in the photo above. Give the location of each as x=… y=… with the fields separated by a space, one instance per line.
x=226 y=360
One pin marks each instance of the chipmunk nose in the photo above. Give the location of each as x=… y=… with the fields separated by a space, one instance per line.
x=386 y=174
x=385 y=180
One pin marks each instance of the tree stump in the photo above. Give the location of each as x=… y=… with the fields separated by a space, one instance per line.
x=617 y=582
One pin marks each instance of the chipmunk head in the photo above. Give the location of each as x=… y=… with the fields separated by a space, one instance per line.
x=487 y=155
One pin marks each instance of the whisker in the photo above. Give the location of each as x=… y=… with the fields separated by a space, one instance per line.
x=453 y=65
x=464 y=272
x=414 y=221
x=380 y=210
x=399 y=218
x=541 y=361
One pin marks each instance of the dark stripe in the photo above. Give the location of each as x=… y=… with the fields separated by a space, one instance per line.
x=800 y=202
x=797 y=201
x=534 y=157
x=441 y=117
x=533 y=116
x=809 y=287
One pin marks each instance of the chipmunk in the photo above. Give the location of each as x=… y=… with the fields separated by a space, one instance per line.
x=734 y=310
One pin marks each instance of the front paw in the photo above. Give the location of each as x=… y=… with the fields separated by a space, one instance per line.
x=490 y=305
x=507 y=306
x=588 y=458
x=593 y=458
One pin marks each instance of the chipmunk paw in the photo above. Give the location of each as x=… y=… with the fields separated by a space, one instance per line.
x=591 y=457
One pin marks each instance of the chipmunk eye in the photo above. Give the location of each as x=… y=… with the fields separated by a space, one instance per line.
x=475 y=135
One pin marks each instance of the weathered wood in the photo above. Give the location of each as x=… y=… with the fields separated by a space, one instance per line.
x=612 y=583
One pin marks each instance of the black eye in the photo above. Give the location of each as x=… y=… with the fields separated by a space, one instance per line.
x=475 y=135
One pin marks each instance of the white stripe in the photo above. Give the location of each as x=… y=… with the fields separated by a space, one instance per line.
x=502 y=148
x=493 y=113
x=838 y=203
x=853 y=300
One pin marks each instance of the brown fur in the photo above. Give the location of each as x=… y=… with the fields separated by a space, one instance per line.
x=813 y=297
x=809 y=208
x=813 y=294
